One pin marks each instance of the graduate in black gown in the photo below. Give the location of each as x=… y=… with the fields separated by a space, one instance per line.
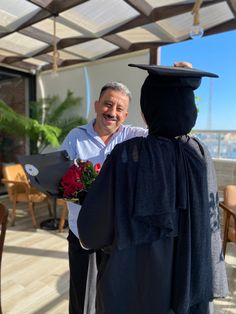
x=148 y=209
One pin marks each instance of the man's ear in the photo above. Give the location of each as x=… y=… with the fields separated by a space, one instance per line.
x=96 y=105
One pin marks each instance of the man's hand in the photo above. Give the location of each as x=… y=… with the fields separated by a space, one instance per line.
x=183 y=64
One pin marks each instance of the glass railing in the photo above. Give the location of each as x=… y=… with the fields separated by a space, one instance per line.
x=221 y=144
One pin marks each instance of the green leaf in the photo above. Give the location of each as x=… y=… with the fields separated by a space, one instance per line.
x=24 y=126
x=54 y=112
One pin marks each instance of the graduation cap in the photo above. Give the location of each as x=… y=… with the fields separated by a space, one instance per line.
x=167 y=76
x=46 y=170
x=167 y=98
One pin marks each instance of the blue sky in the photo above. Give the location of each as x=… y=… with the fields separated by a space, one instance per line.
x=217 y=54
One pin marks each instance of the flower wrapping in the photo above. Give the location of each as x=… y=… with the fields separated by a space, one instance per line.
x=77 y=180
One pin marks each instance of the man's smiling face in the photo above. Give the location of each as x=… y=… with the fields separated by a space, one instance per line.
x=111 y=110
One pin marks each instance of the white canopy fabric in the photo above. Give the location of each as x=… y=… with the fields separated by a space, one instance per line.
x=94 y=29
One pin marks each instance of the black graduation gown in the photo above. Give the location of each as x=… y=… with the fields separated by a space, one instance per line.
x=147 y=210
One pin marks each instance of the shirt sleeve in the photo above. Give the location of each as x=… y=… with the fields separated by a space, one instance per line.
x=69 y=144
x=138 y=132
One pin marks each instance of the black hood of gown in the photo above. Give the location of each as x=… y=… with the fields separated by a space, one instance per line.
x=169 y=111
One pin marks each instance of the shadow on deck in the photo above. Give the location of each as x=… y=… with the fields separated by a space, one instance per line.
x=35 y=274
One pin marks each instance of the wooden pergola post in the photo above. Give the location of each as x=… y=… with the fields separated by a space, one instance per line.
x=154 y=55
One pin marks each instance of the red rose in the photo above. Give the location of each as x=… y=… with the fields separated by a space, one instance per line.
x=97 y=167
x=78 y=179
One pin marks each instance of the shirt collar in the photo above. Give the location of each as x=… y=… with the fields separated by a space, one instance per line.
x=89 y=127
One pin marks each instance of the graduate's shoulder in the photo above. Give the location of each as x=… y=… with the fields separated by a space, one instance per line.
x=130 y=143
x=128 y=147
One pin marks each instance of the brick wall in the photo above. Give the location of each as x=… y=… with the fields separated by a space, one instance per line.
x=13 y=93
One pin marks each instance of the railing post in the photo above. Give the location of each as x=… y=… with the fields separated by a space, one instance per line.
x=219 y=143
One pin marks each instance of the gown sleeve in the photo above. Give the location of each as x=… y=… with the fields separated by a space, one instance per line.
x=96 y=219
x=220 y=282
x=219 y=278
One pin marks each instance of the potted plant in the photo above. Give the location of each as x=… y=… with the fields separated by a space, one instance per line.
x=52 y=111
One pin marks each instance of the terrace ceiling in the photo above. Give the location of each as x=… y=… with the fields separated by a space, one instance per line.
x=94 y=29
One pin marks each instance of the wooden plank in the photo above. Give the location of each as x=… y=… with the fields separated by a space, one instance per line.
x=35 y=274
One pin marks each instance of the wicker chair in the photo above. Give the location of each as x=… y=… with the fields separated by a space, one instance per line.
x=20 y=191
x=64 y=212
x=229 y=207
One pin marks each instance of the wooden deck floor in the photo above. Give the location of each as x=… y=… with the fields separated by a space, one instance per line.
x=35 y=275
x=35 y=272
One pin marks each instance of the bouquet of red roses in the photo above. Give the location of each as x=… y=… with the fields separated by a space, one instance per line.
x=77 y=180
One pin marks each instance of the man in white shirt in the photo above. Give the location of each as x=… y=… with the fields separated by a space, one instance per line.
x=94 y=142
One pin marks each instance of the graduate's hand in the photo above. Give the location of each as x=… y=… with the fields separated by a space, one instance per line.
x=183 y=64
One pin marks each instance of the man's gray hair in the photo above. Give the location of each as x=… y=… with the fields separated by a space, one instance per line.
x=117 y=86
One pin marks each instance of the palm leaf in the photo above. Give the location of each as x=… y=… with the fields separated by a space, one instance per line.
x=54 y=108
x=69 y=124
x=69 y=102
x=25 y=126
x=56 y=113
